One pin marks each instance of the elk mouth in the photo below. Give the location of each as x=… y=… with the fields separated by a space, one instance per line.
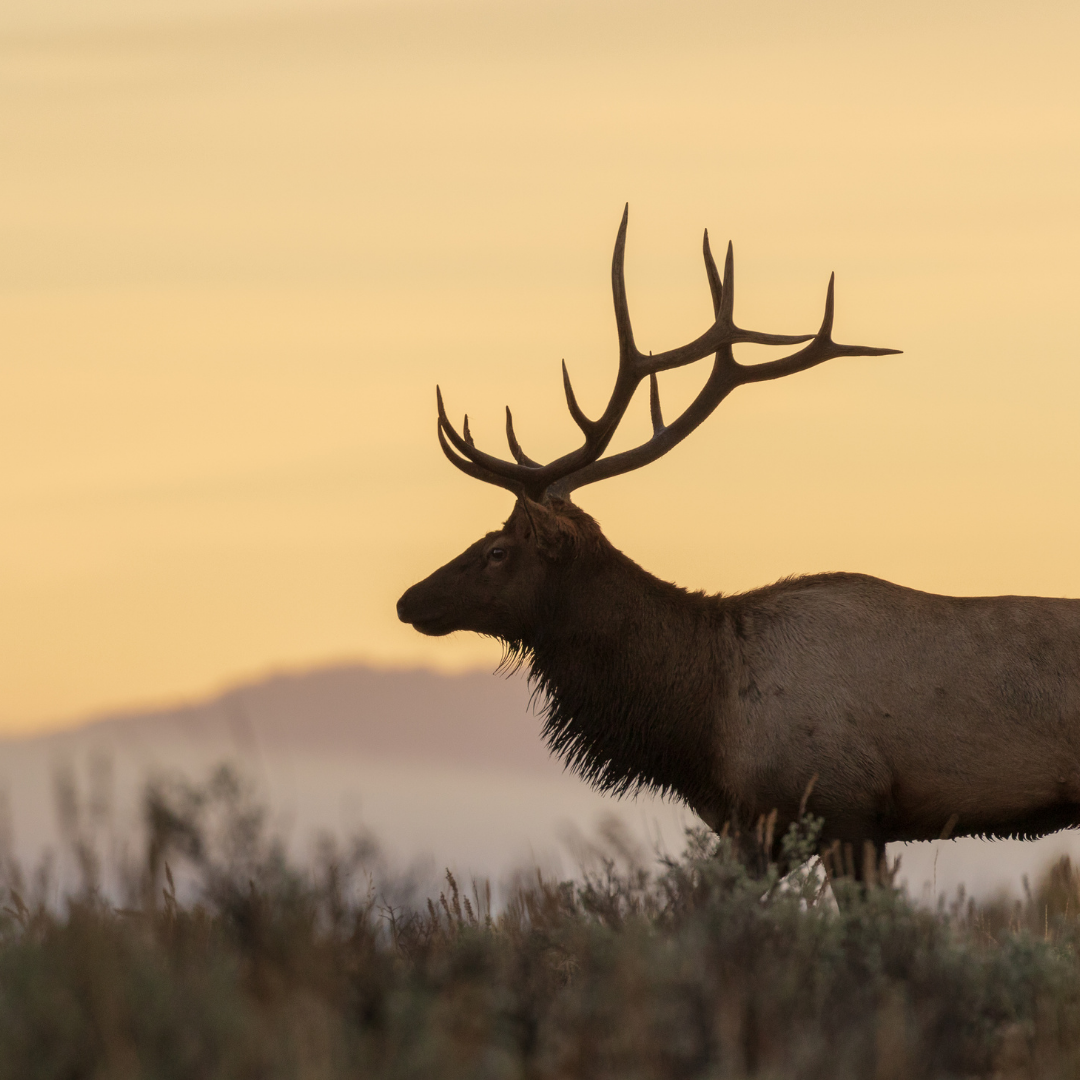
x=431 y=627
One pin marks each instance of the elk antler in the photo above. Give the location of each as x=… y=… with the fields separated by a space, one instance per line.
x=585 y=465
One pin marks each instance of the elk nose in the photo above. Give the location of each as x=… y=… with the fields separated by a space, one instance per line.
x=403 y=605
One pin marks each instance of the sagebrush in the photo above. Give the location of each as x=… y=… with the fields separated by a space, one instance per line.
x=696 y=967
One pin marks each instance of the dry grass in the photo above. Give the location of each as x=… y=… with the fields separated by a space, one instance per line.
x=692 y=968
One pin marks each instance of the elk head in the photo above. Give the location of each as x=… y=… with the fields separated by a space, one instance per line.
x=502 y=584
x=499 y=585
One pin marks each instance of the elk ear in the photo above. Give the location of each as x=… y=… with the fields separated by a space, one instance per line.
x=522 y=522
x=553 y=533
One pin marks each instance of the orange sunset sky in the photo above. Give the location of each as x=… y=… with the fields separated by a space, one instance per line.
x=241 y=241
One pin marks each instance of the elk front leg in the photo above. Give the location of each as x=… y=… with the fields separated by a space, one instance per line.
x=864 y=863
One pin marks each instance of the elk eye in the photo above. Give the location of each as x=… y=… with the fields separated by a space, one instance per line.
x=497 y=554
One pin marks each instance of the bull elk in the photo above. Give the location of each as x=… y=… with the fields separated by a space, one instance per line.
x=913 y=711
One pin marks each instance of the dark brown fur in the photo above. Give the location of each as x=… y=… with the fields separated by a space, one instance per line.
x=910 y=709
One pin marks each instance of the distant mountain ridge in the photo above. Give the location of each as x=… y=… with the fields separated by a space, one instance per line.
x=473 y=719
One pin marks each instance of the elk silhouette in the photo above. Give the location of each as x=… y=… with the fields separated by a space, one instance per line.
x=907 y=713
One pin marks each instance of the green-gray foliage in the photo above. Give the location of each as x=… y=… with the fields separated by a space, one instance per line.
x=697 y=968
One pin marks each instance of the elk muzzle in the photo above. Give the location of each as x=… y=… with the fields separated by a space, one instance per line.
x=425 y=610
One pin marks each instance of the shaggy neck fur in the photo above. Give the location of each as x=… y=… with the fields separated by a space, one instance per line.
x=628 y=666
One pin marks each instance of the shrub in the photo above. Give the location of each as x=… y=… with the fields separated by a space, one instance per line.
x=696 y=967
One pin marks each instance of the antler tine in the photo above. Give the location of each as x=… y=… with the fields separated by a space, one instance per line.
x=471 y=469
x=587 y=426
x=654 y=405
x=462 y=443
x=716 y=286
x=821 y=348
x=726 y=313
x=627 y=349
x=825 y=330
x=476 y=463
x=723 y=331
x=515 y=447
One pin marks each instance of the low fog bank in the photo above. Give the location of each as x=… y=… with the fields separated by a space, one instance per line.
x=437 y=770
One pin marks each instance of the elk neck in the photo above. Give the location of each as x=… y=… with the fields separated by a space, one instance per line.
x=631 y=670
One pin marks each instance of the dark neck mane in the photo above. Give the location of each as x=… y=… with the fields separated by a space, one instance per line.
x=628 y=669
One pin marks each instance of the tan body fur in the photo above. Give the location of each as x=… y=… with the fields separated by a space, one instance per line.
x=914 y=712
x=909 y=707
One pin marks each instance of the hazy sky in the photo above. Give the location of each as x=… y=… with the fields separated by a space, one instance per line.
x=240 y=242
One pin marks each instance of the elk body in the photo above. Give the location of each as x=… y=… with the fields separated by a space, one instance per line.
x=908 y=713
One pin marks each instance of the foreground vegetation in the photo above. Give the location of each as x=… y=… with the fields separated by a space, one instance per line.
x=696 y=968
